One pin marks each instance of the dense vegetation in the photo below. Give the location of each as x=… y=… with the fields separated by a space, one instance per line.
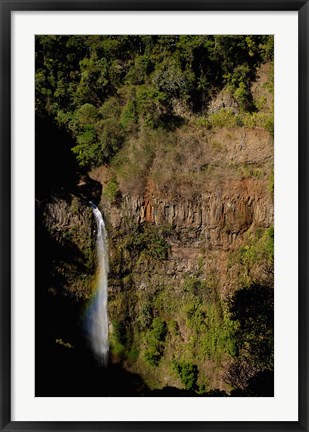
x=156 y=115
x=186 y=330
x=106 y=89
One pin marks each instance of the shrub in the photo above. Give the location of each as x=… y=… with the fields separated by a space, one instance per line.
x=159 y=329
x=219 y=337
x=259 y=119
x=188 y=374
x=223 y=118
x=153 y=356
x=88 y=155
x=194 y=285
x=129 y=116
x=148 y=242
x=119 y=332
x=155 y=341
x=146 y=316
x=118 y=339
x=169 y=78
x=111 y=190
x=139 y=71
x=97 y=132
x=256 y=258
x=242 y=96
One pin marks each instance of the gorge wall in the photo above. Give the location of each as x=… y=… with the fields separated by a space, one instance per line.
x=180 y=258
x=176 y=258
x=189 y=215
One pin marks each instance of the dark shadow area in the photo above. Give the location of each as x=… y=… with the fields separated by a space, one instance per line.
x=56 y=170
x=176 y=392
x=55 y=166
x=260 y=385
x=171 y=121
x=251 y=371
x=66 y=372
x=253 y=307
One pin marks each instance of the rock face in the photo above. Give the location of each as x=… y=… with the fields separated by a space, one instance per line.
x=179 y=247
x=219 y=217
x=66 y=234
x=176 y=257
x=223 y=100
x=231 y=202
x=209 y=227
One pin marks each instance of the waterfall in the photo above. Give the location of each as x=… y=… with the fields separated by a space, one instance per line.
x=97 y=318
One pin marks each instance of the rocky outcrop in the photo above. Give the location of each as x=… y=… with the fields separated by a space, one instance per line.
x=219 y=218
x=223 y=100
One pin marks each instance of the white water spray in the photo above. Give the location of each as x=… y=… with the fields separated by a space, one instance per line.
x=98 y=319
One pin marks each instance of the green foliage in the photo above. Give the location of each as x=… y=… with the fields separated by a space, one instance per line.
x=119 y=339
x=223 y=118
x=111 y=190
x=129 y=116
x=133 y=354
x=260 y=247
x=99 y=87
x=193 y=284
x=188 y=374
x=87 y=153
x=148 y=242
x=97 y=132
x=241 y=94
x=139 y=72
x=258 y=119
x=155 y=342
x=240 y=81
x=159 y=329
x=171 y=79
x=257 y=253
x=86 y=114
x=153 y=356
x=119 y=332
x=212 y=327
x=219 y=337
x=152 y=104
x=198 y=287
x=145 y=316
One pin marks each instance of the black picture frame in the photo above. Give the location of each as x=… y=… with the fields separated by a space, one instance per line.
x=6 y=7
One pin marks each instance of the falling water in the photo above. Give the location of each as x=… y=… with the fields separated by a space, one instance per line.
x=97 y=318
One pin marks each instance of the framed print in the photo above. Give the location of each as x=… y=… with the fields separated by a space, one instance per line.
x=153 y=215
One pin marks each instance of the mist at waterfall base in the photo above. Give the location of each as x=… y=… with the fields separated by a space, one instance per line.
x=96 y=323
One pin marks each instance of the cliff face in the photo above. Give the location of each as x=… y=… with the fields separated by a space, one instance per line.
x=68 y=224
x=219 y=217
x=180 y=258
x=232 y=203
x=176 y=261
x=181 y=245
